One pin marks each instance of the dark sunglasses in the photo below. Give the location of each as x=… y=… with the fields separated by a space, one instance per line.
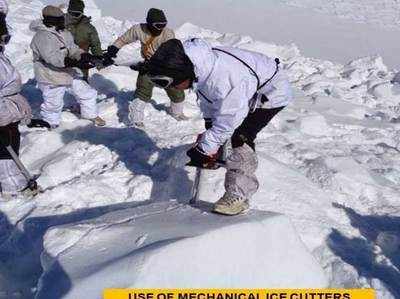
x=159 y=25
x=75 y=14
x=161 y=81
x=5 y=38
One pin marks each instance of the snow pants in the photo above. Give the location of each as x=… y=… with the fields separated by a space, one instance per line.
x=53 y=100
x=241 y=164
x=144 y=91
x=11 y=178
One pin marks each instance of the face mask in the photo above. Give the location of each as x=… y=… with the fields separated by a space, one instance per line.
x=57 y=22
x=156 y=28
x=5 y=39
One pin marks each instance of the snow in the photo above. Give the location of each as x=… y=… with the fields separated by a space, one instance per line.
x=151 y=238
x=328 y=162
x=335 y=30
x=382 y=13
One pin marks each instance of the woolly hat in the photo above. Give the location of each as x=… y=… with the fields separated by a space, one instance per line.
x=52 y=11
x=171 y=60
x=76 y=5
x=155 y=15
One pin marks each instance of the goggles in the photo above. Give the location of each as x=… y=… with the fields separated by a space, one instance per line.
x=161 y=81
x=5 y=38
x=75 y=14
x=159 y=25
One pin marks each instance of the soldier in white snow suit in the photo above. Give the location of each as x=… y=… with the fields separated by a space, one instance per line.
x=239 y=92
x=14 y=109
x=56 y=62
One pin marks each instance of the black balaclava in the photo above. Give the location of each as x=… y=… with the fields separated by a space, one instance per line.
x=155 y=15
x=5 y=37
x=57 y=22
x=53 y=16
x=171 y=60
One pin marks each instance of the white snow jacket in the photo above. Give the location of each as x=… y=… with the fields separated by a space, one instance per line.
x=228 y=89
x=13 y=106
x=3 y=7
x=50 y=48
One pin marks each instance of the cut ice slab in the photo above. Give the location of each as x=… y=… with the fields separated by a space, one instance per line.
x=172 y=245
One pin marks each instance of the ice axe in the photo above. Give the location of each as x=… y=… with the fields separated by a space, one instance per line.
x=32 y=184
x=195 y=188
x=197 y=179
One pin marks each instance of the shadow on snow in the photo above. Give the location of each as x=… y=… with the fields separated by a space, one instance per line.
x=361 y=253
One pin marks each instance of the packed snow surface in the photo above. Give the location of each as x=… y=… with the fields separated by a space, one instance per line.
x=329 y=162
x=146 y=247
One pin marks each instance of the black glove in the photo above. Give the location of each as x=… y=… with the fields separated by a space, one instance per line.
x=108 y=56
x=141 y=67
x=5 y=136
x=112 y=52
x=208 y=123
x=70 y=62
x=87 y=57
x=198 y=158
x=38 y=123
x=93 y=59
x=137 y=66
x=107 y=61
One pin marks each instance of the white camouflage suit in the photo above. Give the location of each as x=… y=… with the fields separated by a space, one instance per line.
x=227 y=90
x=50 y=48
x=13 y=109
x=3 y=7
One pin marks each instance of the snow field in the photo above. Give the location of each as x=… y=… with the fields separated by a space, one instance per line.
x=382 y=13
x=329 y=162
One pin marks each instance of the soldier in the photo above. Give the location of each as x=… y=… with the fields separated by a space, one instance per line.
x=14 y=109
x=151 y=35
x=55 y=57
x=84 y=33
x=239 y=93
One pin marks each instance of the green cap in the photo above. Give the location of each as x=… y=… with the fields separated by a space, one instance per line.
x=76 y=5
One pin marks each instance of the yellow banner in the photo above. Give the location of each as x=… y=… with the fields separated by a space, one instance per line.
x=238 y=294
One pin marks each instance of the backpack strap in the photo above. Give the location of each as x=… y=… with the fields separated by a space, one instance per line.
x=248 y=66
x=259 y=86
x=276 y=71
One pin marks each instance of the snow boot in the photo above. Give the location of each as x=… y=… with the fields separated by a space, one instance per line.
x=231 y=205
x=25 y=194
x=98 y=121
x=29 y=194
x=176 y=111
x=136 y=112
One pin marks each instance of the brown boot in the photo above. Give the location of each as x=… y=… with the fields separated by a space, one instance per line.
x=98 y=121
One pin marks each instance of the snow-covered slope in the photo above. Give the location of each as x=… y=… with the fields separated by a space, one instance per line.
x=329 y=162
x=336 y=30
x=146 y=247
x=383 y=12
